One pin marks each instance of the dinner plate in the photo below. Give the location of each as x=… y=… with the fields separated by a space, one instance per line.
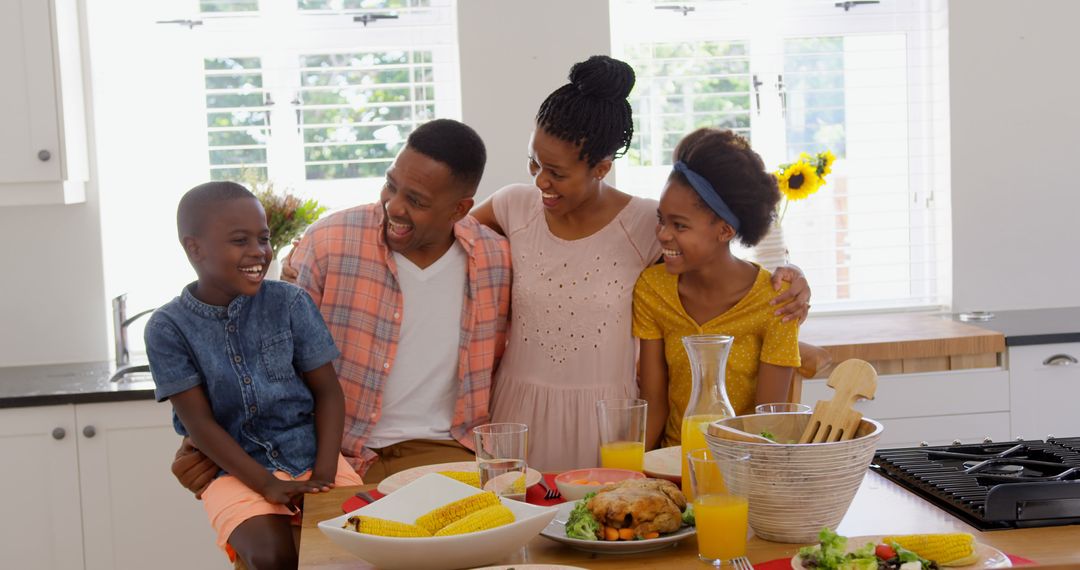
x=664 y=463
x=556 y=530
x=989 y=557
x=402 y=478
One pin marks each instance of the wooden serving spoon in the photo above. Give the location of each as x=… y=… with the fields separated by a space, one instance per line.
x=835 y=420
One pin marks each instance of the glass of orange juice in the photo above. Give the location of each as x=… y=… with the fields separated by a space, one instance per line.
x=622 y=433
x=721 y=510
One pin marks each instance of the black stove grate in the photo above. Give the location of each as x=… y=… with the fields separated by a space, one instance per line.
x=995 y=485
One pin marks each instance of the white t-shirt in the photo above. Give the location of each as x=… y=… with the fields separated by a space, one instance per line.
x=420 y=392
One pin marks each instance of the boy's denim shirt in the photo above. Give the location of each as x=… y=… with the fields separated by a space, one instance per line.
x=249 y=356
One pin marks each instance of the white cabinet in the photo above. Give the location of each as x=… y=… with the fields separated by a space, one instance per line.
x=102 y=496
x=43 y=144
x=41 y=528
x=935 y=407
x=1045 y=390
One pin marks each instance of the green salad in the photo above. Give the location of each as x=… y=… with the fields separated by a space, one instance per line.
x=832 y=554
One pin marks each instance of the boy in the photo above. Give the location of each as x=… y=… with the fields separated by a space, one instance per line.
x=248 y=369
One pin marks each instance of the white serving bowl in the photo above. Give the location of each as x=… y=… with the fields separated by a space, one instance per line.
x=461 y=551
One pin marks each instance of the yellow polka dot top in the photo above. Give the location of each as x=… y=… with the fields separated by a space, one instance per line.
x=759 y=337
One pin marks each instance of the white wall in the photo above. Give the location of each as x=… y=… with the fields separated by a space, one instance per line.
x=513 y=54
x=1015 y=117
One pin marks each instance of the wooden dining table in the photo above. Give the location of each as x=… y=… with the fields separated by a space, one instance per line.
x=880 y=507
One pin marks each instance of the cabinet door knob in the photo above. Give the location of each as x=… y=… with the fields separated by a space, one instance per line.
x=1060 y=360
x=89 y=431
x=59 y=433
x=44 y=155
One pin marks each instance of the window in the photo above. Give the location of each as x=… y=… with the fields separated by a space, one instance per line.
x=316 y=95
x=868 y=82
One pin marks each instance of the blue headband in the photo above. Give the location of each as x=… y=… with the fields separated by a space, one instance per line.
x=708 y=194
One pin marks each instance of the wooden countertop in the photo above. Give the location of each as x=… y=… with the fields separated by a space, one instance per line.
x=880 y=507
x=905 y=342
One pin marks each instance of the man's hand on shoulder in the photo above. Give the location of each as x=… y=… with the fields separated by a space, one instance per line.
x=288 y=272
x=193 y=469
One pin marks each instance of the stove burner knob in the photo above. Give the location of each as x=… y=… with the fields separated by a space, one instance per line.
x=1020 y=438
x=924 y=444
x=957 y=442
x=1049 y=437
x=987 y=440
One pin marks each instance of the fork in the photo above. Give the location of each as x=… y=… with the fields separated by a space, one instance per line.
x=549 y=493
x=742 y=563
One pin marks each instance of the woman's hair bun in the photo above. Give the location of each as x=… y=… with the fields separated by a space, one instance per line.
x=603 y=77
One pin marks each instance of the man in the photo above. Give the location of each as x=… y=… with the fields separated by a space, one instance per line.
x=416 y=295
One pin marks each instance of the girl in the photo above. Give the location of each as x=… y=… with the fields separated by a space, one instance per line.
x=718 y=191
x=577 y=245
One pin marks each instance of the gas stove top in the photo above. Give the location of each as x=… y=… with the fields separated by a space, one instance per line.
x=992 y=486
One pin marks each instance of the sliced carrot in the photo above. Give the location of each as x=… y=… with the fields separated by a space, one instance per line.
x=611 y=533
x=580 y=482
x=593 y=483
x=626 y=534
x=652 y=535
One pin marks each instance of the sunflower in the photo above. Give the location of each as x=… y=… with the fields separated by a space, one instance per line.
x=798 y=181
x=825 y=162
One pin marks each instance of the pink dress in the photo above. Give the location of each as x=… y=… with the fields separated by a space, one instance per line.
x=569 y=342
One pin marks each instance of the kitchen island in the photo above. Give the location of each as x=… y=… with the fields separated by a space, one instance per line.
x=880 y=507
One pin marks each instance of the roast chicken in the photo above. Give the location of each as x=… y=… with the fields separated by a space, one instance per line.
x=644 y=505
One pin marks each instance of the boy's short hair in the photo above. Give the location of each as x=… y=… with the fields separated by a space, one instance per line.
x=194 y=205
x=454 y=144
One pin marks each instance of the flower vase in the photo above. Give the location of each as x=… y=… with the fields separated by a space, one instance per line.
x=771 y=252
x=274 y=270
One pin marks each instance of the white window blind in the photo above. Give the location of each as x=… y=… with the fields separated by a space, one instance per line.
x=869 y=83
x=325 y=111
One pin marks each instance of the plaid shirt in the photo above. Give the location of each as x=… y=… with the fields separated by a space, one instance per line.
x=346 y=267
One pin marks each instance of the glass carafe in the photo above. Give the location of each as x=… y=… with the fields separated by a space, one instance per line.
x=708 y=397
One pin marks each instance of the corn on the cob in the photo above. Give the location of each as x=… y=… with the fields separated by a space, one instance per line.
x=483 y=519
x=519 y=485
x=945 y=549
x=383 y=527
x=467 y=477
x=446 y=514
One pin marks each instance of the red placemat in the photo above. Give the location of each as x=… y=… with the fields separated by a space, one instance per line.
x=785 y=563
x=354 y=502
x=533 y=495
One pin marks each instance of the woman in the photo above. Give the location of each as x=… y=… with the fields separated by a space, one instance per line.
x=578 y=245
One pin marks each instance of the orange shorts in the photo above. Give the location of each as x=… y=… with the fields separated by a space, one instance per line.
x=229 y=502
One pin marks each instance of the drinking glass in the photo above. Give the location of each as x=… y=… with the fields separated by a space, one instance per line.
x=501 y=450
x=721 y=508
x=781 y=407
x=622 y=433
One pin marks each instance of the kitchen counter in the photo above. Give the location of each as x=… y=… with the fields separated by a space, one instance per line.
x=55 y=384
x=1034 y=326
x=880 y=507
x=898 y=343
